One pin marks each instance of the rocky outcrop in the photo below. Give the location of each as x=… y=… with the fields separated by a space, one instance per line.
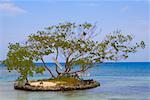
x=84 y=84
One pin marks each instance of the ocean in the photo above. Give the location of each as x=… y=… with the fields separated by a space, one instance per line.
x=119 y=81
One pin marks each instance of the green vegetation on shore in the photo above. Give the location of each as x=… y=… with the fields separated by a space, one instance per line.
x=63 y=80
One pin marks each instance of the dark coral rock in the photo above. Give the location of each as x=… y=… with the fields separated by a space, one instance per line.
x=85 y=84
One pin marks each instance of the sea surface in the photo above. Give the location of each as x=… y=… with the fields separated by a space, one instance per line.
x=119 y=81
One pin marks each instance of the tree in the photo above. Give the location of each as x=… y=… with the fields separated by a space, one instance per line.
x=39 y=47
x=76 y=44
x=20 y=59
x=73 y=42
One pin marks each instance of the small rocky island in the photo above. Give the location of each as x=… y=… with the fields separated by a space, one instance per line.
x=74 y=45
x=57 y=84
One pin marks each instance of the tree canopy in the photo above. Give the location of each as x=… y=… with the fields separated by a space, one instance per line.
x=74 y=43
x=20 y=59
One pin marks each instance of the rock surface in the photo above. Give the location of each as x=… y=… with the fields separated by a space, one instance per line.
x=84 y=84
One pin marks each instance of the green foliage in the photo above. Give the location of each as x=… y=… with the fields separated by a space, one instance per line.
x=77 y=45
x=74 y=42
x=117 y=46
x=39 y=69
x=20 y=59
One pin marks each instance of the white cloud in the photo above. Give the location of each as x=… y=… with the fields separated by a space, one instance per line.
x=11 y=8
x=125 y=8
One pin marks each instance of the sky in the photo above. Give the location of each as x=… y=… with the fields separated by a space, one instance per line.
x=19 y=18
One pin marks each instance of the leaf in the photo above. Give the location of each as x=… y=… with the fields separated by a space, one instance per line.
x=40 y=70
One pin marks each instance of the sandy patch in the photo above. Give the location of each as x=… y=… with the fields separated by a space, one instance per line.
x=44 y=84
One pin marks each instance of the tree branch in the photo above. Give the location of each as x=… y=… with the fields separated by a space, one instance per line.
x=82 y=70
x=47 y=68
x=67 y=62
x=55 y=63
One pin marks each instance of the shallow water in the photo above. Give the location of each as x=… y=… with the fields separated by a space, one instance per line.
x=119 y=81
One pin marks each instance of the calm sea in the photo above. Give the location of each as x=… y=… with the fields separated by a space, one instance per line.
x=119 y=81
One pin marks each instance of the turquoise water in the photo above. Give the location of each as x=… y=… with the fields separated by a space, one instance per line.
x=119 y=81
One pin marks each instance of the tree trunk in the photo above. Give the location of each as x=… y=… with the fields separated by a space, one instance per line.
x=27 y=80
x=47 y=68
x=56 y=64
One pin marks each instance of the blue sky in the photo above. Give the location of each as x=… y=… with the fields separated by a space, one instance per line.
x=19 y=18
